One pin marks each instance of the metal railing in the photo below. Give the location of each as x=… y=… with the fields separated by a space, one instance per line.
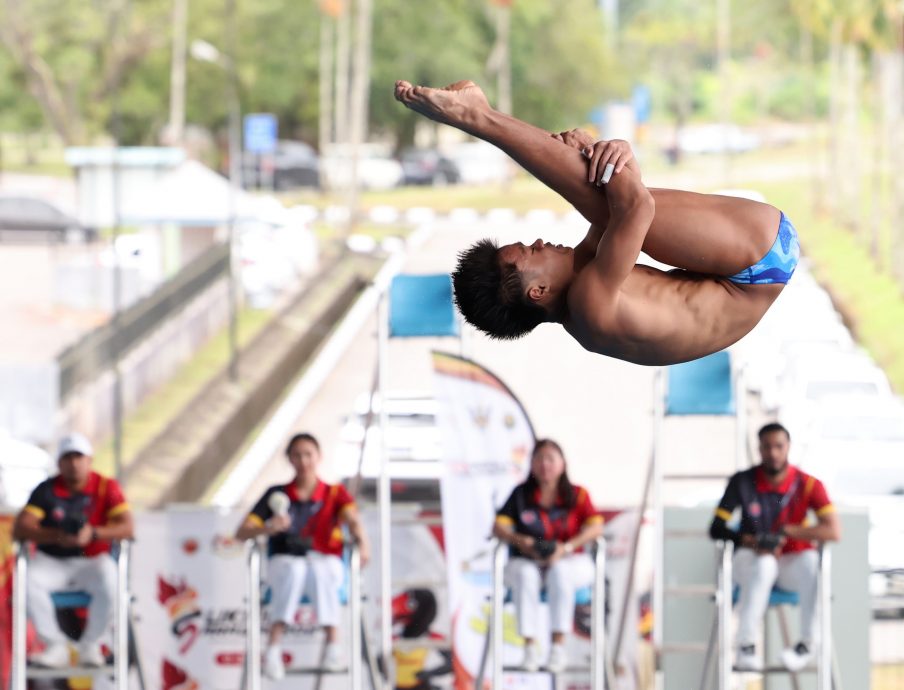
x=96 y=352
x=495 y=638
x=253 y=642
x=21 y=671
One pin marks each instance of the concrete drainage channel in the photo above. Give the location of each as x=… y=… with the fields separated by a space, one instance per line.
x=179 y=464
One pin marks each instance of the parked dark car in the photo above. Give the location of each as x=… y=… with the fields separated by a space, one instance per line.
x=24 y=219
x=295 y=164
x=428 y=166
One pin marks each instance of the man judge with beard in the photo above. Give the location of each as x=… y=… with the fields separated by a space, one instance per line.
x=774 y=546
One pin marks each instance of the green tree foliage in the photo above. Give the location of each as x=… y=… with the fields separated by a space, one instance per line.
x=63 y=61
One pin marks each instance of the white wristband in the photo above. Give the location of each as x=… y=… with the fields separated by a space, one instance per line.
x=568 y=547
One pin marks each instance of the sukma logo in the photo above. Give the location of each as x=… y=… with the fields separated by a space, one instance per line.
x=181 y=603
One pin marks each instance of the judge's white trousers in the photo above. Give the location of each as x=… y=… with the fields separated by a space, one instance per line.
x=562 y=580
x=757 y=574
x=49 y=574
x=315 y=575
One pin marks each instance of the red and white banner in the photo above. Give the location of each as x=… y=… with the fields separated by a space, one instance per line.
x=189 y=580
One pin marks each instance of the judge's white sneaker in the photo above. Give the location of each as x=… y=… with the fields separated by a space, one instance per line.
x=274 y=669
x=558 y=658
x=797 y=658
x=55 y=655
x=332 y=657
x=531 y=662
x=747 y=659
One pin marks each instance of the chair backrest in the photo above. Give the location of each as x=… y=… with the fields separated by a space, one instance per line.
x=701 y=387
x=71 y=600
x=777 y=597
x=421 y=306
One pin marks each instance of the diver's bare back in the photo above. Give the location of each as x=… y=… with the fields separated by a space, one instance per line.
x=660 y=318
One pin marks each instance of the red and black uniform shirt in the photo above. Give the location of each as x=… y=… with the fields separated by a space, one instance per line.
x=523 y=511
x=766 y=508
x=315 y=519
x=57 y=507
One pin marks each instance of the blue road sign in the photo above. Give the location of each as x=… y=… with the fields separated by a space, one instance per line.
x=260 y=132
x=642 y=100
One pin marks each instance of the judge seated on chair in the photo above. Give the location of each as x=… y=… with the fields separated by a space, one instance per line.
x=303 y=520
x=72 y=518
x=774 y=545
x=547 y=521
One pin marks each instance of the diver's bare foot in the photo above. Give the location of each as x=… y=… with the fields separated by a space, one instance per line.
x=454 y=105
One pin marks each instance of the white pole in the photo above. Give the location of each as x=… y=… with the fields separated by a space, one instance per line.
x=658 y=515
x=354 y=605
x=121 y=628
x=723 y=602
x=497 y=651
x=824 y=663
x=598 y=618
x=385 y=498
x=177 y=74
x=253 y=624
x=17 y=676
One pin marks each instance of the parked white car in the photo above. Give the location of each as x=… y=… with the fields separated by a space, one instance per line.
x=273 y=258
x=480 y=163
x=810 y=378
x=856 y=448
x=716 y=138
x=376 y=169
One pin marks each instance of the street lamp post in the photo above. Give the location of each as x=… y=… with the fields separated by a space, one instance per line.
x=206 y=52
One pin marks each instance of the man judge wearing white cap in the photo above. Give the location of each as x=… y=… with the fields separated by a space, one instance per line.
x=73 y=518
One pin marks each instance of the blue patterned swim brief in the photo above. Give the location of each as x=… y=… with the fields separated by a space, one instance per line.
x=779 y=263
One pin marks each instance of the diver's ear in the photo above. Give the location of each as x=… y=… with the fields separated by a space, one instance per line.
x=537 y=292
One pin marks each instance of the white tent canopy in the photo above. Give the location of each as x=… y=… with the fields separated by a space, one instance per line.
x=192 y=194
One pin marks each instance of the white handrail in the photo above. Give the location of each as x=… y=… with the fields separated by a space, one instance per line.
x=824 y=589
x=724 y=606
x=598 y=618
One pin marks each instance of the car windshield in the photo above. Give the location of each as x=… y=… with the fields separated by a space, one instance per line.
x=817 y=390
x=881 y=481
x=866 y=428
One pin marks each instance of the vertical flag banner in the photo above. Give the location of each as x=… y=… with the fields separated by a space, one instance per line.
x=487 y=439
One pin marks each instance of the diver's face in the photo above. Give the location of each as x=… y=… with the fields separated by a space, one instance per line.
x=542 y=264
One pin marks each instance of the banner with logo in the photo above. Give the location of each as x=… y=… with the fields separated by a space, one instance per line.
x=189 y=580
x=487 y=439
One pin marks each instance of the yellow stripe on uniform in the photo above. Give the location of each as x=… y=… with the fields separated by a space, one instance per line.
x=826 y=509
x=34 y=510
x=504 y=520
x=119 y=510
x=347 y=506
x=254 y=519
x=594 y=520
x=724 y=514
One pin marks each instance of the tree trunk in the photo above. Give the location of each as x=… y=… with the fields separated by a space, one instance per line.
x=327 y=46
x=359 y=97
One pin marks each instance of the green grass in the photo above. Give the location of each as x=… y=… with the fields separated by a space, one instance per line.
x=153 y=415
x=871 y=300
